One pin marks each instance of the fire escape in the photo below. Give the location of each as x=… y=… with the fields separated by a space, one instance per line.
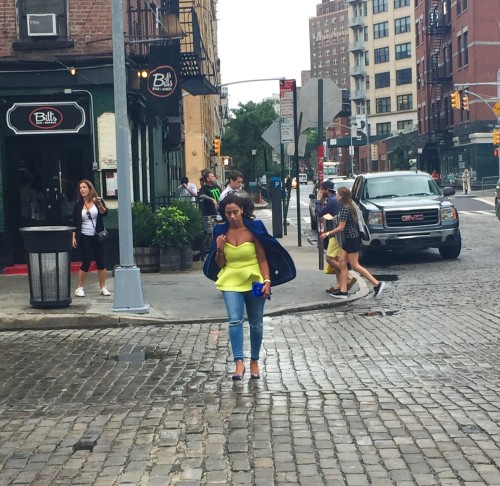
x=168 y=22
x=438 y=27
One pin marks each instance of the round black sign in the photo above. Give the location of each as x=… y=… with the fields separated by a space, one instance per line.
x=162 y=81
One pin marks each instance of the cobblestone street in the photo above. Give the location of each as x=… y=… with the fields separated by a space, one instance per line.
x=402 y=391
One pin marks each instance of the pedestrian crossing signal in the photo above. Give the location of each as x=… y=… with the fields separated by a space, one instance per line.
x=465 y=103
x=496 y=137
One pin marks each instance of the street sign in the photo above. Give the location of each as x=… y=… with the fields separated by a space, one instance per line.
x=286 y=110
x=272 y=135
x=496 y=108
x=308 y=102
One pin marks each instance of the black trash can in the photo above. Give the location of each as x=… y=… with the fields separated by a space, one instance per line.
x=49 y=264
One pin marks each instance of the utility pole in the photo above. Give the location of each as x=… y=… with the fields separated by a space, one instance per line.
x=128 y=286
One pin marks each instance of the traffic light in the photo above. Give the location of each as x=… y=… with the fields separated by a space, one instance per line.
x=465 y=103
x=217 y=146
x=455 y=100
x=496 y=137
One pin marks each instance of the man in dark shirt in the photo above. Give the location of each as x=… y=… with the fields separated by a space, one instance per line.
x=328 y=207
x=209 y=194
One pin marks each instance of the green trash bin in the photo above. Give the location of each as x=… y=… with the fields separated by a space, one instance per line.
x=49 y=264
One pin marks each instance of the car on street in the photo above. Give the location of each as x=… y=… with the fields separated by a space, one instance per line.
x=497 y=199
x=342 y=181
x=406 y=210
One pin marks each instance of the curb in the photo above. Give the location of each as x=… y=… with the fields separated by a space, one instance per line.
x=102 y=321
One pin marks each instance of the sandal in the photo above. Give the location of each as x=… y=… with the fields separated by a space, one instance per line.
x=254 y=376
x=238 y=376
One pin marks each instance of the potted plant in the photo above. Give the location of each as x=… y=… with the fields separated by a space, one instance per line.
x=171 y=235
x=146 y=255
x=194 y=230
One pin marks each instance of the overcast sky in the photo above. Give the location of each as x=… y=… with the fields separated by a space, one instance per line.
x=262 y=39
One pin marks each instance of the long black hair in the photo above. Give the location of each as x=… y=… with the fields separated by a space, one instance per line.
x=244 y=203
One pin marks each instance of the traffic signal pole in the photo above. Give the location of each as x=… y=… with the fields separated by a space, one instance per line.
x=479 y=97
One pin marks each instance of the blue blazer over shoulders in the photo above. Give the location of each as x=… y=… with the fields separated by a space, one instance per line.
x=281 y=266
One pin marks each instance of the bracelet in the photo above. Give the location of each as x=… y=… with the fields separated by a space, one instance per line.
x=267 y=280
x=219 y=253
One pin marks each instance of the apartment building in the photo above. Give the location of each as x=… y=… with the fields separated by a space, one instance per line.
x=57 y=121
x=329 y=42
x=382 y=74
x=457 y=43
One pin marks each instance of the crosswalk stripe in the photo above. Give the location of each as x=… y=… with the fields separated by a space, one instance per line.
x=473 y=213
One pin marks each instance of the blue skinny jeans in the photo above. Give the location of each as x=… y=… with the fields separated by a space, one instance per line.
x=235 y=305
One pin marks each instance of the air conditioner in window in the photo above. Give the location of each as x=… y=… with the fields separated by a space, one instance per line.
x=41 y=24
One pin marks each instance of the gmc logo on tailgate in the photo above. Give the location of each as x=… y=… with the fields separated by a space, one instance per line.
x=407 y=218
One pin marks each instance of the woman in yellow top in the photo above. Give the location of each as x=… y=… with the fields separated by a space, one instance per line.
x=242 y=260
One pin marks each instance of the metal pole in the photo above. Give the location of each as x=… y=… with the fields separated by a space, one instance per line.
x=321 y=256
x=128 y=295
x=296 y=131
x=283 y=185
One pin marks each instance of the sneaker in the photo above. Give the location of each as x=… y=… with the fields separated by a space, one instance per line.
x=378 y=289
x=105 y=291
x=351 y=282
x=79 y=292
x=340 y=295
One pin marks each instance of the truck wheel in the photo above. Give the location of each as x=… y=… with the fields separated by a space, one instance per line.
x=497 y=207
x=450 y=252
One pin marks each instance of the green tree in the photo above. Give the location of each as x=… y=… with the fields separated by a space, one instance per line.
x=244 y=134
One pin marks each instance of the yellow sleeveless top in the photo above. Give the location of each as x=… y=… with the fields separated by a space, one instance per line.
x=241 y=269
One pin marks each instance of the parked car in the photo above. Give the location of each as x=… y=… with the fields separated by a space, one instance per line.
x=497 y=199
x=338 y=182
x=407 y=210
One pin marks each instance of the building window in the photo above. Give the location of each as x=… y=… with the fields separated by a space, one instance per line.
x=401 y=3
x=57 y=8
x=368 y=107
x=383 y=80
x=381 y=30
x=403 y=76
x=403 y=51
x=383 y=105
x=405 y=124
x=379 y=6
x=381 y=55
x=365 y=33
x=384 y=128
x=402 y=25
x=405 y=102
x=459 y=50
x=417 y=33
x=459 y=7
x=464 y=5
x=367 y=58
x=466 y=47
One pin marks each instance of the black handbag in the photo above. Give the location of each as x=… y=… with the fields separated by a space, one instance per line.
x=103 y=235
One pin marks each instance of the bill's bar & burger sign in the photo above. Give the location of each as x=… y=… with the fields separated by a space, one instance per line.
x=44 y=118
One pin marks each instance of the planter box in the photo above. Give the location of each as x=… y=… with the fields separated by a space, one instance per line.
x=147 y=258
